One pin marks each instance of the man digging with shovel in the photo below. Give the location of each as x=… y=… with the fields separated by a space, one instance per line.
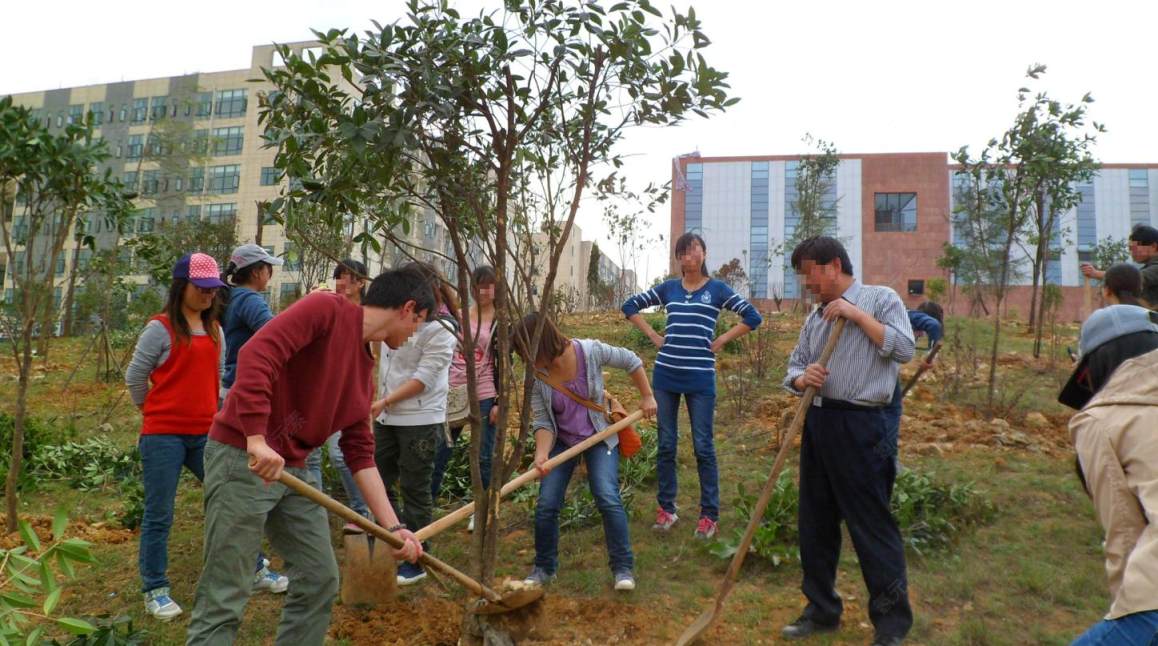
x=300 y=378
x=842 y=476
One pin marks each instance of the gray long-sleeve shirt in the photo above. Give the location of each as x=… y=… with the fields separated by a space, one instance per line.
x=152 y=350
x=859 y=370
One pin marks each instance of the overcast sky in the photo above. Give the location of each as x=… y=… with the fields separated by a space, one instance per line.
x=869 y=76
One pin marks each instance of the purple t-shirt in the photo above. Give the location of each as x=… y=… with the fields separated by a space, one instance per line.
x=572 y=419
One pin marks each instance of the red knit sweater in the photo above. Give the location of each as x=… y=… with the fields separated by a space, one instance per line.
x=182 y=399
x=303 y=376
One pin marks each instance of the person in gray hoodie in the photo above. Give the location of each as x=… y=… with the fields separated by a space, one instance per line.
x=560 y=422
x=410 y=416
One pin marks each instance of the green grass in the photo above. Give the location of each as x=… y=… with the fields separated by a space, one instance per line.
x=1032 y=575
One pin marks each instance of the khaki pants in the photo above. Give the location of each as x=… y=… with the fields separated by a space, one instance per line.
x=238 y=508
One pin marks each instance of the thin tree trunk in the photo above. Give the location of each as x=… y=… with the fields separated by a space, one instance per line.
x=66 y=326
x=16 y=457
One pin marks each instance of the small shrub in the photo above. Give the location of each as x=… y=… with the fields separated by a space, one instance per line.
x=930 y=514
x=638 y=341
x=37 y=434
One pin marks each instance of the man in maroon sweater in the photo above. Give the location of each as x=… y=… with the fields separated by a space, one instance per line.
x=304 y=375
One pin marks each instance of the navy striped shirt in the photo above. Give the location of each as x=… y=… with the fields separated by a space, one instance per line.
x=686 y=363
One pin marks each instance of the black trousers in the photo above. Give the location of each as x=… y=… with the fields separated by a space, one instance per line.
x=845 y=473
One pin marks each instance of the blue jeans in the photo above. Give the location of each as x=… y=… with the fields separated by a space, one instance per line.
x=486 y=451
x=892 y=412
x=162 y=457
x=701 y=410
x=314 y=466
x=603 y=478
x=1138 y=629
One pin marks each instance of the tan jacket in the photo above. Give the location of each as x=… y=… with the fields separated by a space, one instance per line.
x=1116 y=437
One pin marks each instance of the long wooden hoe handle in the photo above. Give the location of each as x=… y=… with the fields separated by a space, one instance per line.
x=770 y=484
x=530 y=476
x=921 y=370
x=379 y=532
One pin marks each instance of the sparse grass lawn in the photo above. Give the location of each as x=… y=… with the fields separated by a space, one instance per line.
x=1032 y=575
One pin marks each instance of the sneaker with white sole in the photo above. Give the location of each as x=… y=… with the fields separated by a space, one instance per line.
x=664 y=520
x=470 y=525
x=267 y=580
x=409 y=574
x=706 y=528
x=539 y=577
x=160 y=605
x=624 y=581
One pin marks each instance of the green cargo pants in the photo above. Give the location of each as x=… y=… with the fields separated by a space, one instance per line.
x=405 y=455
x=238 y=508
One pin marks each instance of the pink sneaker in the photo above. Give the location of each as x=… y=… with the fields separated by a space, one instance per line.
x=664 y=520
x=706 y=529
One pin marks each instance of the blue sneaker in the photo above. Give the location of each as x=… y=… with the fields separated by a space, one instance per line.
x=267 y=579
x=409 y=573
x=539 y=577
x=160 y=605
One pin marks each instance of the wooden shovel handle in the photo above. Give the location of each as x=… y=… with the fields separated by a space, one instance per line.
x=379 y=532
x=770 y=485
x=530 y=476
x=921 y=370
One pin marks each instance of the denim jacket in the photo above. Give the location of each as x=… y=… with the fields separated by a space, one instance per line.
x=598 y=355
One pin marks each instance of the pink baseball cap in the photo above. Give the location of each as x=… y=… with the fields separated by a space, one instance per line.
x=201 y=270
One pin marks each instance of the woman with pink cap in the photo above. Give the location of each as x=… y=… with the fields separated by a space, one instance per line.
x=173 y=379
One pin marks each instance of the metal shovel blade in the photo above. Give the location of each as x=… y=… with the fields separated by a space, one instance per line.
x=698 y=627
x=512 y=600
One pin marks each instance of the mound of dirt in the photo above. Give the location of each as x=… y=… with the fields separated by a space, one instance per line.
x=99 y=532
x=559 y=620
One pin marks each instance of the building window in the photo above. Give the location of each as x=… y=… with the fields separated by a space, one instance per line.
x=140 y=110
x=227 y=141
x=197 y=180
x=130 y=181
x=204 y=104
x=193 y=213
x=136 y=146
x=60 y=265
x=147 y=220
x=293 y=259
x=76 y=113
x=758 y=232
x=896 y=211
x=83 y=259
x=218 y=213
x=231 y=103
x=150 y=182
x=224 y=179
x=124 y=114
x=97 y=110
x=178 y=184
x=270 y=176
x=60 y=119
x=155 y=146
x=916 y=288
x=1139 y=182
x=290 y=292
x=200 y=142
x=160 y=107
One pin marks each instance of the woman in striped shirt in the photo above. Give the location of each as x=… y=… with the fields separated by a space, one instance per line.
x=686 y=365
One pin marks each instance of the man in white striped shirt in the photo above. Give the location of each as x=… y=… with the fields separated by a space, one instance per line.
x=844 y=473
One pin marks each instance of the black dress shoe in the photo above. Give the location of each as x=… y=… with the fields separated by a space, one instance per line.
x=888 y=641
x=805 y=627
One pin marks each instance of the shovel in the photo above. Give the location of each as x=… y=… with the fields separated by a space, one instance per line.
x=709 y=616
x=519 y=482
x=921 y=370
x=493 y=603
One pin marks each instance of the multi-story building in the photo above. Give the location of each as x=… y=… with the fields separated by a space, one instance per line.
x=191 y=147
x=574 y=265
x=893 y=212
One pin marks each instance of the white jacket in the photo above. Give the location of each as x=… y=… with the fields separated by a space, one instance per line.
x=426 y=357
